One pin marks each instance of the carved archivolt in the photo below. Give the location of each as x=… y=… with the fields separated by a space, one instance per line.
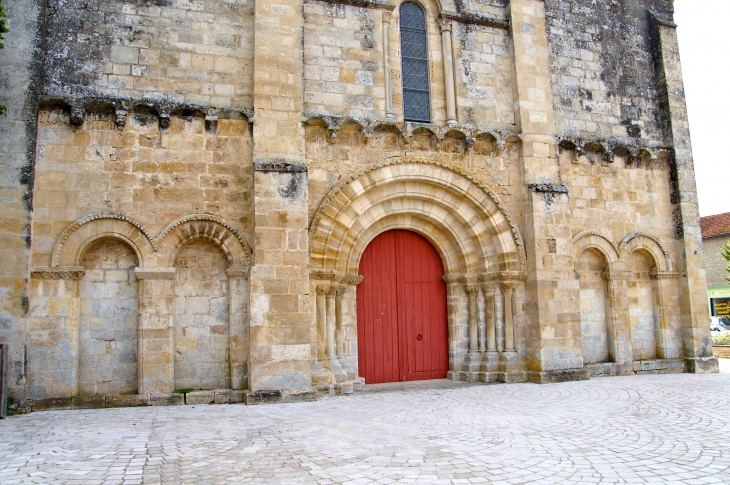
x=460 y=215
x=618 y=255
x=151 y=249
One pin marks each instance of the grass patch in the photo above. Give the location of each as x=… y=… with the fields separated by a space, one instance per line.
x=184 y=391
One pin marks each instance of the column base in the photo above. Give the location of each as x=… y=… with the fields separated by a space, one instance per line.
x=489 y=369
x=470 y=367
x=512 y=368
x=337 y=370
x=702 y=365
x=358 y=383
x=321 y=375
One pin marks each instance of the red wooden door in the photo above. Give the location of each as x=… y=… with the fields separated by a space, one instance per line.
x=401 y=310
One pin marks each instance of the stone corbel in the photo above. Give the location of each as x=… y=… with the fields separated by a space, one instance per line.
x=164 y=120
x=121 y=118
x=57 y=272
x=77 y=114
x=211 y=120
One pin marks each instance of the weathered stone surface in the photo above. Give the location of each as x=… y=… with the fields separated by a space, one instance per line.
x=204 y=177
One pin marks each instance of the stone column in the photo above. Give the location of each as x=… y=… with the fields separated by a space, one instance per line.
x=693 y=283
x=472 y=362
x=331 y=320
x=350 y=375
x=490 y=361
x=53 y=342
x=156 y=337
x=618 y=318
x=448 y=73
x=389 y=116
x=663 y=294
x=509 y=322
x=553 y=307
x=238 y=320
x=321 y=377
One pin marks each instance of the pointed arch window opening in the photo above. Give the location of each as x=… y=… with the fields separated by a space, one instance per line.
x=414 y=63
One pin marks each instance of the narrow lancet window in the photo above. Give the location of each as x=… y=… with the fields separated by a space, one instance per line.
x=414 y=57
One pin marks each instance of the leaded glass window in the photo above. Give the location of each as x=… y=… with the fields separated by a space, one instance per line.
x=414 y=59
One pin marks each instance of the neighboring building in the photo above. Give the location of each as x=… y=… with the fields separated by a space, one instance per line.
x=715 y=233
x=281 y=199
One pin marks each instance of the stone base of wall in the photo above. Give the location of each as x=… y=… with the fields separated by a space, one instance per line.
x=555 y=376
x=279 y=397
x=219 y=396
x=703 y=365
x=654 y=366
x=721 y=351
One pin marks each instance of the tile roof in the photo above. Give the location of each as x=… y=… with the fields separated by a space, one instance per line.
x=715 y=225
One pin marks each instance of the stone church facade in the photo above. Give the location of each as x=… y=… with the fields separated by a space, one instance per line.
x=189 y=187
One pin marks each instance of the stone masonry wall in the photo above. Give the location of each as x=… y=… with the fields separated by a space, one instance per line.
x=170 y=52
x=603 y=72
x=344 y=67
x=152 y=175
x=714 y=263
x=109 y=316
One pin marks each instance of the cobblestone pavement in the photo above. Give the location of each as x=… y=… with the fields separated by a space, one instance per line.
x=644 y=429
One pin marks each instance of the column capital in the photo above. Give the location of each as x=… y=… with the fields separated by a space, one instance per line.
x=155 y=273
x=340 y=290
x=471 y=290
x=238 y=272
x=321 y=290
x=57 y=272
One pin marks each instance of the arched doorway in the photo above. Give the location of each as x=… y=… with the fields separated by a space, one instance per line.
x=401 y=310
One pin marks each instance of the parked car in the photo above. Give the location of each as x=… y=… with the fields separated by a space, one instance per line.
x=719 y=324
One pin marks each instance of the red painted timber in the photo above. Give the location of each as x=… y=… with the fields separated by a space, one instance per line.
x=401 y=310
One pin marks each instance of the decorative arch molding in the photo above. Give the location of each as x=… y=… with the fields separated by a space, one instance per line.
x=202 y=226
x=649 y=243
x=598 y=241
x=75 y=238
x=460 y=215
x=149 y=247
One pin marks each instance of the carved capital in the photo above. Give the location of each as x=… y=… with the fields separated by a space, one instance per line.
x=321 y=290
x=331 y=291
x=155 y=273
x=350 y=279
x=238 y=271
x=471 y=290
x=664 y=275
x=340 y=290
x=57 y=272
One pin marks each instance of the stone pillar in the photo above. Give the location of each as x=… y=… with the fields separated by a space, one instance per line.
x=448 y=73
x=458 y=326
x=156 y=337
x=238 y=320
x=618 y=319
x=490 y=361
x=553 y=308
x=389 y=116
x=693 y=283
x=280 y=352
x=509 y=321
x=331 y=320
x=472 y=362
x=663 y=293
x=322 y=378
x=350 y=375
x=53 y=343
